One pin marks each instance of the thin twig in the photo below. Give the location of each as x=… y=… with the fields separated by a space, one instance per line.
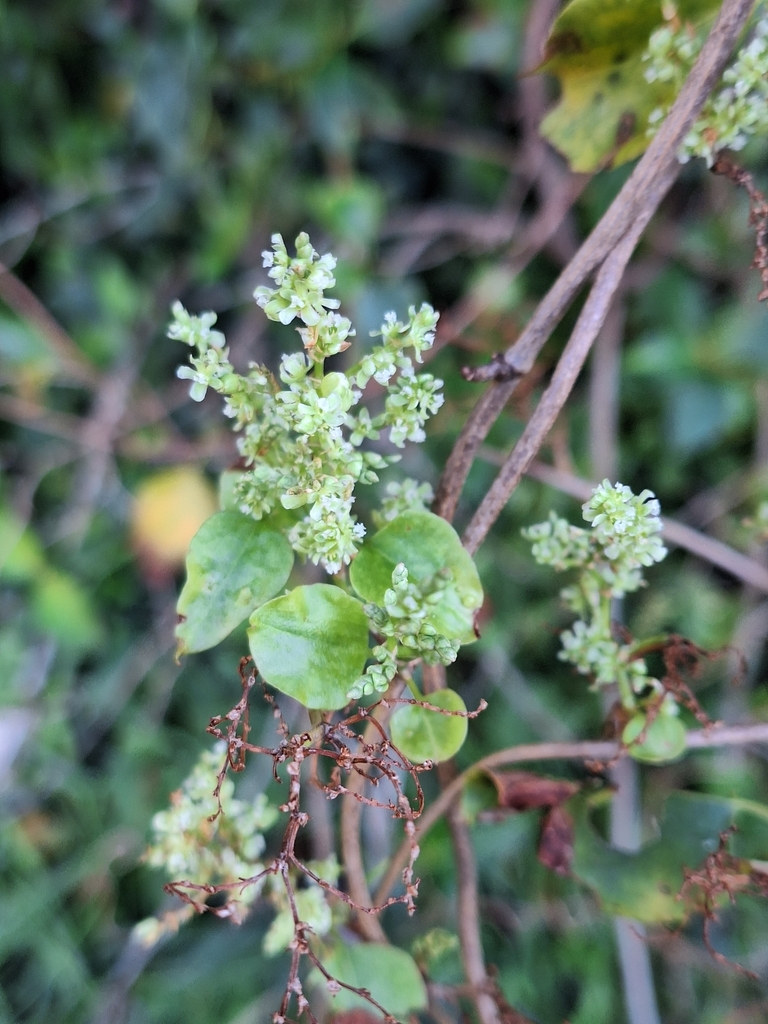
x=589 y=750
x=351 y=847
x=468 y=901
x=554 y=398
x=111 y=401
x=474 y=432
x=758 y=214
x=468 y=918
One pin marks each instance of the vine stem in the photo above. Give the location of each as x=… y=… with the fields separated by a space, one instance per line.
x=554 y=398
x=468 y=900
x=589 y=750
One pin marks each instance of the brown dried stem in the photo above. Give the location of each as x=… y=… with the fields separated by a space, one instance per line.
x=369 y=757
x=568 y=368
x=722 y=874
x=758 y=213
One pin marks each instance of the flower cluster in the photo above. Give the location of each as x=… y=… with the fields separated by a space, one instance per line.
x=736 y=110
x=670 y=53
x=193 y=840
x=300 y=438
x=624 y=538
x=625 y=529
x=406 y=495
x=559 y=544
x=403 y=623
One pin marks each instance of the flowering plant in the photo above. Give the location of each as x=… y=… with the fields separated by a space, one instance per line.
x=610 y=557
x=304 y=438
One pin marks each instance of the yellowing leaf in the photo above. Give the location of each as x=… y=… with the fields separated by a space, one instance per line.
x=595 y=49
x=169 y=509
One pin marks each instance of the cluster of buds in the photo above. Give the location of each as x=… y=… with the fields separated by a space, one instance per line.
x=736 y=111
x=300 y=438
x=403 y=623
x=211 y=839
x=623 y=539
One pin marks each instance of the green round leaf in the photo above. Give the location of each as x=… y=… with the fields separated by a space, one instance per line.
x=234 y=565
x=425 y=544
x=388 y=973
x=664 y=739
x=424 y=735
x=312 y=644
x=61 y=607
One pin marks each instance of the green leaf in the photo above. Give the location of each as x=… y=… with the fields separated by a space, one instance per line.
x=424 y=735
x=312 y=644
x=664 y=739
x=595 y=50
x=21 y=553
x=425 y=544
x=61 y=607
x=644 y=885
x=234 y=565
x=350 y=209
x=388 y=973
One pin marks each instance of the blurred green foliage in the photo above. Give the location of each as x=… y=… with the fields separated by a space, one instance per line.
x=150 y=148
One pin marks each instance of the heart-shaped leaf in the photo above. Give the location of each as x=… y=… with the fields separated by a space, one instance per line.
x=312 y=644
x=234 y=565
x=425 y=544
x=424 y=735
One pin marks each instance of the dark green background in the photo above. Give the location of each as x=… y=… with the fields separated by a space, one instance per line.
x=149 y=149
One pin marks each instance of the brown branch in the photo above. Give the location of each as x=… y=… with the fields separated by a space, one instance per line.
x=554 y=398
x=468 y=902
x=644 y=190
x=475 y=430
x=590 y=750
x=468 y=917
x=640 y=196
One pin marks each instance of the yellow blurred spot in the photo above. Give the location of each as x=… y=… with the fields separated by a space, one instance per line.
x=169 y=509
